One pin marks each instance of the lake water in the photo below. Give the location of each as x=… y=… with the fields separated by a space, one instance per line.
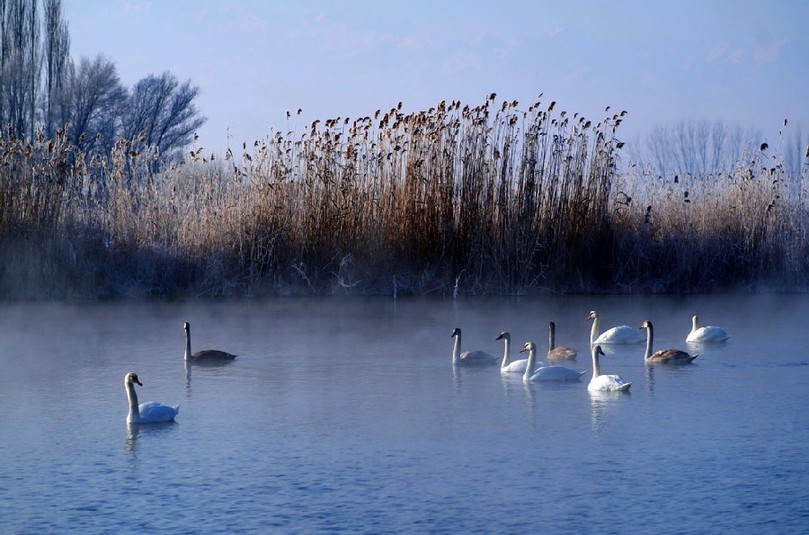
x=347 y=416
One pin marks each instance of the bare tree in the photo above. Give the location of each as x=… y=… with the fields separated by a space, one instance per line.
x=86 y=98
x=19 y=65
x=796 y=157
x=162 y=113
x=697 y=147
x=95 y=99
x=5 y=57
x=57 y=67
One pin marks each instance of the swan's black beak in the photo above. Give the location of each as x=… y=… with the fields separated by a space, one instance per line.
x=138 y=382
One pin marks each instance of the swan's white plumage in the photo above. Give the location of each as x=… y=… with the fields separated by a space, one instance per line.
x=545 y=373
x=622 y=334
x=507 y=365
x=556 y=373
x=707 y=334
x=518 y=366
x=152 y=411
x=469 y=358
x=149 y=412
x=605 y=383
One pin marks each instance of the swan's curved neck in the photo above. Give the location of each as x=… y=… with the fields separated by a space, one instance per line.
x=187 y=344
x=594 y=330
x=529 y=369
x=596 y=367
x=506 y=351
x=134 y=412
x=649 y=340
x=551 y=337
x=693 y=323
x=456 y=349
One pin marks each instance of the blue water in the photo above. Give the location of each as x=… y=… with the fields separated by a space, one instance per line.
x=347 y=416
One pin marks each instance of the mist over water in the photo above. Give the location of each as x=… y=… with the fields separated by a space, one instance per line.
x=346 y=415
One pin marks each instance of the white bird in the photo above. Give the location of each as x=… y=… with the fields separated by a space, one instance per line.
x=506 y=365
x=469 y=358
x=545 y=373
x=206 y=356
x=605 y=383
x=149 y=412
x=705 y=334
x=622 y=334
x=558 y=352
x=663 y=356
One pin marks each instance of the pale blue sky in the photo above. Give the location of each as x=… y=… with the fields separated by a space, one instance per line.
x=741 y=61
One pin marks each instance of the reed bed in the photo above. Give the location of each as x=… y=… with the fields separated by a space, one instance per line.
x=741 y=230
x=497 y=198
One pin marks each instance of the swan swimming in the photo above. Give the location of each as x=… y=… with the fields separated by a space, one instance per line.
x=206 y=355
x=663 y=356
x=605 y=383
x=705 y=334
x=469 y=358
x=623 y=334
x=546 y=373
x=149 y=412
x=558 y=352
x=507 y=366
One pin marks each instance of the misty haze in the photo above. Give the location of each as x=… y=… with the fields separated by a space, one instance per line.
x=347 y=415
x=270 y=267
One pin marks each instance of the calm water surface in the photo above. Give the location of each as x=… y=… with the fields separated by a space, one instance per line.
x=347 y=416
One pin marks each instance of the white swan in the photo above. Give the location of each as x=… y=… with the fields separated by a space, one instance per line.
x=149 y=412
x=469 y=358
x=605 y=383
x=663 y=356
x=705 y=334
x=506 y=365
x=206 y=355
x=622 y=334
x=545 y=373
x=558 y=352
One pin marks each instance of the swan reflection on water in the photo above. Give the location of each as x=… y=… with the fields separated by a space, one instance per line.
x=187 y=380
x=668 y=371
x=601 y=402
x=531 y=401
x=515 y=388
x=201 y=365
x=135 y=431
x=460 y=373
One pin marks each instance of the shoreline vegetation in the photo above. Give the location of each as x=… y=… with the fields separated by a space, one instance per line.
x=495 y=199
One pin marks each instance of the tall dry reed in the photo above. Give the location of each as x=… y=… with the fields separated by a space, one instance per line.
x=496 y=198
x=746 y=229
